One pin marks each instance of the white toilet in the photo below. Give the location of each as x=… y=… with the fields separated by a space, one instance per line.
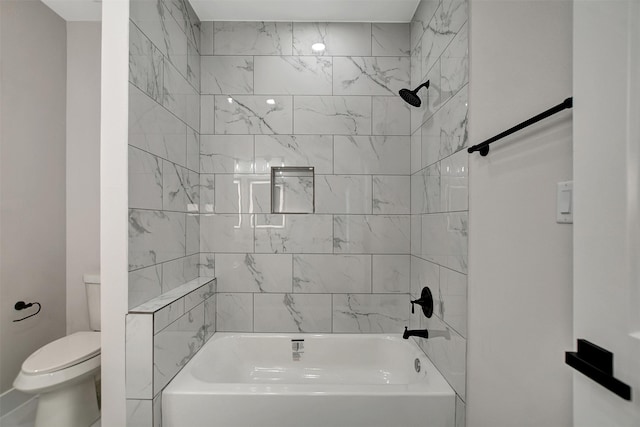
x=63 y=372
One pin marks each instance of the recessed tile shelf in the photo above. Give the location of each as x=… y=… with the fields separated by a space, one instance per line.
x=292 y=190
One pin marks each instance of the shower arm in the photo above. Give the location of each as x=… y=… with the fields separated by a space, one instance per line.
x=425 y=84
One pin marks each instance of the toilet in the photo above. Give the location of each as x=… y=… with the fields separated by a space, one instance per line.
x=63 y=373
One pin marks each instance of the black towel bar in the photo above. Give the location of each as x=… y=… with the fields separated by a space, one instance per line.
x=483 y=147
x=597 y=363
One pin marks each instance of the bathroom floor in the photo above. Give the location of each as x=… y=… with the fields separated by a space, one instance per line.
x=25 y=416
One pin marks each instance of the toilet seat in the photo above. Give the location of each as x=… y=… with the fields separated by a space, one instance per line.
x=63 y=353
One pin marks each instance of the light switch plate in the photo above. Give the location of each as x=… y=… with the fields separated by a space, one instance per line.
x=564 y=203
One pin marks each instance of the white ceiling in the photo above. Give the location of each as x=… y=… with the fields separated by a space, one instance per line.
x=266 y=10
x=76 y=10
x=306 y=10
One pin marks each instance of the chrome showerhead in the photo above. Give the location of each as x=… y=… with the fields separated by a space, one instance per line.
x=411 y=96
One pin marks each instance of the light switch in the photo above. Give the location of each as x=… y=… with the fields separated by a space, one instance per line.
x=564 y=213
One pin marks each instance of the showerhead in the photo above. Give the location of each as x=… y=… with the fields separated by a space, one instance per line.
x=411 y=96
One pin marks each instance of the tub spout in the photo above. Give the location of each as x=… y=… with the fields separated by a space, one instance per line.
x=415 y=333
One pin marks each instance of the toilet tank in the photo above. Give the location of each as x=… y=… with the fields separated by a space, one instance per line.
x=92 y=284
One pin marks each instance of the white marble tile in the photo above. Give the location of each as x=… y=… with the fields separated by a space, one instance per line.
x=181 y=190
x=207 y=108
x=461 y=413
x=447 y=350
x=193 y=26
x=254 y=272
x=145 y=64
x=381 y=155
x=191 y=265
x=242 y=193
x=370 y=75
x=391 y=116
x=431 y=97
x=210 y=317
x=445 y=239
x=144 y=284
x=172 y=274
x=175 y=42
x=228 y=75
x=340 y=39
x=294 y=150
x=193 y=150
x=234 y=312
x=167 y=315
x=157 y=411
x=346 y=115
x=180 y=97
x=293 y=233
x=416 y=235
x=391 y=194
x=252 y=38
x=431 y=140
x=425 y=188
x=139 y=356
x=226 y=154
x=200 y=295
x=422 y=17
x=192 y=234
x=375 y=234
x=206 y=38
x=232 y=193
x=391 y=39
x=343 y=194
x=175 y=345
x=207 y=265
x=178 y=11
x=292 y=313
x=453 y=124
x=226 y=233
x=391 y=274
x=154 y=129
x=139 y=413
x=450 y=303
x=149 y=18
x=454 y=181
x=245 y=114
x=372 y=313
x=293 y=75
x=454 y=64
x=324 y=274
x=423 y=273
x=155 y=236
x=446 y=23
x=416 y=150
x=145 y=180
x=193 y=67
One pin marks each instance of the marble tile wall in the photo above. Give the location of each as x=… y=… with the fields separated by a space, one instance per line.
x=164 y=201
x=268 y=99
x=439 y=184
x=164 y=147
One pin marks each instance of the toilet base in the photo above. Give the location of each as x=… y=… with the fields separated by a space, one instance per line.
x=74 y=405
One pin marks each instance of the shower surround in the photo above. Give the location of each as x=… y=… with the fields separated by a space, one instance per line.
x=214 y=105
x=268 y=99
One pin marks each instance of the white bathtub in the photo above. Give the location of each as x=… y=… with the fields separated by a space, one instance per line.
x=334 y=380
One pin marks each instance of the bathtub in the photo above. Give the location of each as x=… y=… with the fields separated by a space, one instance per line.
x=308 y=380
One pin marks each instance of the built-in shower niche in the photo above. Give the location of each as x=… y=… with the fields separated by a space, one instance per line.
x=292 y=190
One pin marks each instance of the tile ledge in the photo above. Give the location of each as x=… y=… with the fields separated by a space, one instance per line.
x=173 y=295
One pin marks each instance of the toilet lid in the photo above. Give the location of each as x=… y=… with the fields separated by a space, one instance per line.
x=62 y=353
